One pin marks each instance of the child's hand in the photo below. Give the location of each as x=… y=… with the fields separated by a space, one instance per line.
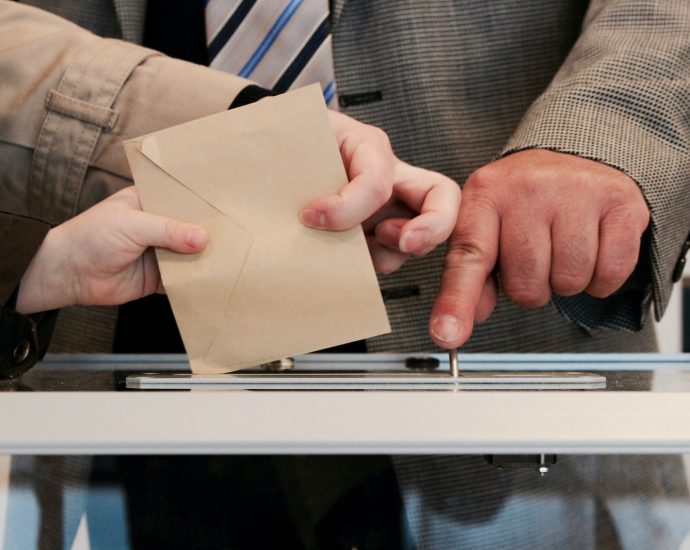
x=103 y=256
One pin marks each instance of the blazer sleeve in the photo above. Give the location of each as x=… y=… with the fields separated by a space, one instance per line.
x=22 y=340
x=67 y=100
x=622 y=97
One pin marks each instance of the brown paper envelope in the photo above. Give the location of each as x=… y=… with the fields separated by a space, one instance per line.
x=266 y=287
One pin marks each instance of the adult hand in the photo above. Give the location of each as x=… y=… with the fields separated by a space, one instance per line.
x=552 y=222
x=404 y=210
x=103 y=256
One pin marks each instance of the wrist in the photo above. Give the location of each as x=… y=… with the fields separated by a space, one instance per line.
x=47 y=282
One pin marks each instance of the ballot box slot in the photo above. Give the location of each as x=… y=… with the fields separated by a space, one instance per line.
x=368 y=380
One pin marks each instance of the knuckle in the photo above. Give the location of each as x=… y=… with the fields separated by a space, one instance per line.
x=526 y=293
x=572 y=267
x=380 y=135
x=380 y=191
x=463 y=253
x=611 y=275
x=567 y=283
x=615 y=272
x=643 y=217
x=482 y=192
x=482 y=178
x=370 y=134
x=619 y=261
x=521 y=279
x=628 y=215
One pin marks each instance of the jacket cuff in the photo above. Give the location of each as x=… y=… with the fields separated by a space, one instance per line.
x=559 y=122
x=250 y=94
x=22 y=236
x=23 y=342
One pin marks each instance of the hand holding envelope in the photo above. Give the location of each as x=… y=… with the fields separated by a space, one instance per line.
x=405 y=210
x=265 y=286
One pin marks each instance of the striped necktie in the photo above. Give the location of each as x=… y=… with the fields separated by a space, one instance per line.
x=280 y=44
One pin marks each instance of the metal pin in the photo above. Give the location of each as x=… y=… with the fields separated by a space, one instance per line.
x=453 y=361
x=543 y=467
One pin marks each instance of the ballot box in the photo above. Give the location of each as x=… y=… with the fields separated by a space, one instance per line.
x=567 y=424
x=629 y=403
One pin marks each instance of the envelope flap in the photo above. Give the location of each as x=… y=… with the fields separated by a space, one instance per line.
x=199 y=286
x=228 y=158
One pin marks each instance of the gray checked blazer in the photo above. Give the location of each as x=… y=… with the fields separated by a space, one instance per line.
x=457 y=83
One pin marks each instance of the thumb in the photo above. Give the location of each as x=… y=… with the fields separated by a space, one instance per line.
x=164 y=232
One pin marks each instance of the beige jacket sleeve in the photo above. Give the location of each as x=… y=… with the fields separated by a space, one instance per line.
x=69 y=98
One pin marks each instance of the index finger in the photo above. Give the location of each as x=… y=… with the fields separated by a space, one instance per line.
x=471 y=257
x=436 y=198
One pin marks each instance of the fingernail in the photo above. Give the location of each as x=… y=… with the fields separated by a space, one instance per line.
x=445 y=328
x=412 y=240
x=196 y=238
x=313 y=218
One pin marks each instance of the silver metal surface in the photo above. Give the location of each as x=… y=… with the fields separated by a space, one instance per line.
x=372 y=381
x=389 y=362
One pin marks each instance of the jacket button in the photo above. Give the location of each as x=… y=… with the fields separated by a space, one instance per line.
x=680 y=266
x=21 y=351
